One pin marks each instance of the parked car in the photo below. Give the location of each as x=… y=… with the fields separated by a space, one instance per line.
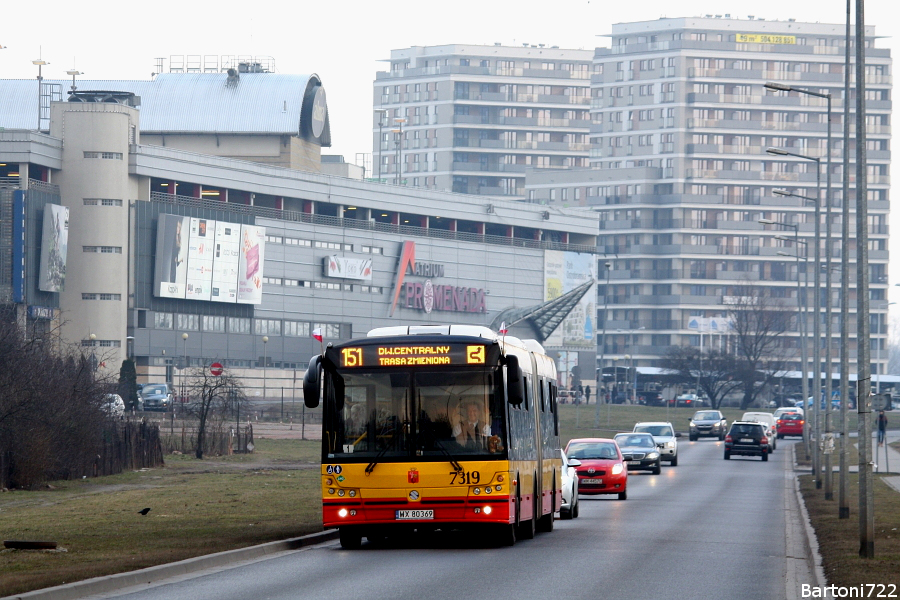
x=157 y=396
x=707 y=423
x=747 y=439
x=665 y=437
x=639 y=452
x=790 y=424
x=768 y=420
x=114 y=405
x=688 y=400
x=569 y=507
x=602 y=469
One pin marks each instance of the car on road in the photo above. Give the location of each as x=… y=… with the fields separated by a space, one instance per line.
x=569 y=507
x=790 y=424
x=665 y=437
x=787 y=409
x=602 y=469
x=157 y=396
x=707 y=423
x=768 y=420
x=114 y=405
x=688 y=400
x=639 y=452
x=747 y=439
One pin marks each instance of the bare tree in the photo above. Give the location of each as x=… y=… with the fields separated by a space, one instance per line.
x=713 y=370
x=51 y=407
x=212 y=399
x=758 y=324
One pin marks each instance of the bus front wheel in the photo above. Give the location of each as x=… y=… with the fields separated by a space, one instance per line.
x=351 y=538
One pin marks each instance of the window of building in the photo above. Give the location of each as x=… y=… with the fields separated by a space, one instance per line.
x=296 y=329
x=106 y=155
x=211 y=323
x=102 y=202
x=329 y=330
x=267 y=326
x=162 y=320
x=187 y=322
x=238 y=325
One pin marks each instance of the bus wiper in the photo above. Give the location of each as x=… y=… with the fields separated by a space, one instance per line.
x=371 y=466
x=456 y=466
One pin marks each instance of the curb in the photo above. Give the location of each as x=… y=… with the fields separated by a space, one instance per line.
x=813 y=558
x=150 y=575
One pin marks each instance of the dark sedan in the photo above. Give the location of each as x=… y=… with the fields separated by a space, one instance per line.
x=639 y=452
x=707 y=423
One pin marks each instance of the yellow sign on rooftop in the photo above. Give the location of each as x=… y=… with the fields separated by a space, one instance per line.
x=764 y=38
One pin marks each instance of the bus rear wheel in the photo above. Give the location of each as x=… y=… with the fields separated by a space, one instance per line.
x=351 y=538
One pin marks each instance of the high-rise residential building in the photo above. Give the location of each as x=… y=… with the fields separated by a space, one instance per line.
x=682 y=139
x=471 y=119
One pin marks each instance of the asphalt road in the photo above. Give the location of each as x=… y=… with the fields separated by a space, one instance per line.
x=708 y=528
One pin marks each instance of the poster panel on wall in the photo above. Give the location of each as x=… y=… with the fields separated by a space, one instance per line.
x=250 y=265
x=172 y=237
x=563 y=272
x=225 y=262
x=54 y=246
x=200 y=259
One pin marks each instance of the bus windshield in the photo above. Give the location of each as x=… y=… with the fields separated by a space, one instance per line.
x=439 y=415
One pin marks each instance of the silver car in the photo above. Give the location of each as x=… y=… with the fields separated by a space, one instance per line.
x=157 y=396
x=664 y=435
x=569 y=507
x=707 y=423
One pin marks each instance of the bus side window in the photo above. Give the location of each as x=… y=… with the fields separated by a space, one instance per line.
x=527 y=392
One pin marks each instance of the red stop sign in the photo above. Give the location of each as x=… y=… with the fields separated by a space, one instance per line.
x=216 y=369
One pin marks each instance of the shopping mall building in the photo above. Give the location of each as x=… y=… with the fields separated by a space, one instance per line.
x=189 y=219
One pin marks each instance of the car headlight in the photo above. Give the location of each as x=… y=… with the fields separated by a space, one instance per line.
x=618 y=468
x=670 y=444
x=653 y=455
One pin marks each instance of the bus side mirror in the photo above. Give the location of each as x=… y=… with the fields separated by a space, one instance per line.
x=312 y=382
x=515 y=391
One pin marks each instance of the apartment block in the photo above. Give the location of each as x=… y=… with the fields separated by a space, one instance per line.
x=470 y=119
x=690 y=150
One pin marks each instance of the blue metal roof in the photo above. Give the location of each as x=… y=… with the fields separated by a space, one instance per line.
x=254 y=103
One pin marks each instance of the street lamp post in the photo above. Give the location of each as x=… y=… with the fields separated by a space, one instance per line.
x=603 y=352
x=630 y=333
x=265 y=341
x=779 y=87
x=801 y=306
x=184 y=339
x=817 y=372
x=381 y=112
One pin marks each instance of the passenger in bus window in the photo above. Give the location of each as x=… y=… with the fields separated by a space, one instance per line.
x=472 y=430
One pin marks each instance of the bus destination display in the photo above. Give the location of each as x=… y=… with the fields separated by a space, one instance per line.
x=412 y=355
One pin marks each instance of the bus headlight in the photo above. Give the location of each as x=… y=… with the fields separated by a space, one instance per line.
x=487 y=510
x=342 y=513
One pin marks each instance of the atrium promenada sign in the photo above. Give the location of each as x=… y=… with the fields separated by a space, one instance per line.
x=425 y=296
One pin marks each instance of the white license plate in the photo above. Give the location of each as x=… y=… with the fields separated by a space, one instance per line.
x=634 y=462
x=592 y=481
x=746 y=441
x=404 y=515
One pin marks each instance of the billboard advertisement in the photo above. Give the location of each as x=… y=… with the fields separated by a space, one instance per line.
x=359 y=269
x=171 y=256
x=563 y=272
x=250 y=264
x=204 y=259
x=54 y=244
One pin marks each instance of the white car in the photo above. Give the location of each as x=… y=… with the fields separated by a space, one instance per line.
x=114 y=405
x=569 y=507
x=769 y=421
x=787 y=409
x=665 y=437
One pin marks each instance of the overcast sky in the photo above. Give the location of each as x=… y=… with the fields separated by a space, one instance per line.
x=345 y=42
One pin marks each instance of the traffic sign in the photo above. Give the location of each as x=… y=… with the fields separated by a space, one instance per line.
x=216 y=369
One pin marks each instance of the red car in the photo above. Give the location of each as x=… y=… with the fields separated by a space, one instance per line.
x=602 y=469
x=790 y=424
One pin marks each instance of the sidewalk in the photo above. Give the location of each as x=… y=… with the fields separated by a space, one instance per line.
x=887 y=460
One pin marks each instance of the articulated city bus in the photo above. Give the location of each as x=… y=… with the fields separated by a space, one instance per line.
x=435 y=428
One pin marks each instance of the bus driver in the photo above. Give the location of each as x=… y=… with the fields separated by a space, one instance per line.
x=472 y=431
